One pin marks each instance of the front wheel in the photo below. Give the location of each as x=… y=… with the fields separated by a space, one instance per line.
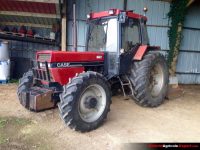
x=25 y=83
x=150 y=79
x=85 y=102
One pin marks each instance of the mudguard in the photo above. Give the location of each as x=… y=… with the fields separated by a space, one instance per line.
x=140 y=52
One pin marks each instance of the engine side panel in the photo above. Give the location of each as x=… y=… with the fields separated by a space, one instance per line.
x=62 y=75
x=65 y=65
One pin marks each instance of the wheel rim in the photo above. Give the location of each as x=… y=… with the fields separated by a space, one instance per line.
x=156 y=80
x=92 y=103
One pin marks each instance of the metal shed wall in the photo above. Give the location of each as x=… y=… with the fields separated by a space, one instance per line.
x=188 y=68
x=157 y=18
x=38 y=15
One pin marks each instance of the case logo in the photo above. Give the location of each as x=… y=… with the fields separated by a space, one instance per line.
x=62 y=65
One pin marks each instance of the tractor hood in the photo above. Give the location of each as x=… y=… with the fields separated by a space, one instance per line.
x=60 y=56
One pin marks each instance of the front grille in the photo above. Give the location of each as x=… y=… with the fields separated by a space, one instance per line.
x=42 y=73
x=44 y=57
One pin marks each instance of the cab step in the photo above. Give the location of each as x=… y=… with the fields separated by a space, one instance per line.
x=125 y=82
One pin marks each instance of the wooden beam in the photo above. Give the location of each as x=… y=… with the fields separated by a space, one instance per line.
x=190 y=2
x=26 y=24
x=64 y=34
x=41 y=1
x=28 y=14
x=64 y=26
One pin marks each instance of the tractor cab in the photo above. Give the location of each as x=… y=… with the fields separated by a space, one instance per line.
x=119 y=34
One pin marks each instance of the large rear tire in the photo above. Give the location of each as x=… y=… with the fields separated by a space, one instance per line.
x=85 y=102
x=150 y=79
x=25 y=83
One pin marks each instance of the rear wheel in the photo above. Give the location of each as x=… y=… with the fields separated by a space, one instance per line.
x=150 y=79
x=85 y=102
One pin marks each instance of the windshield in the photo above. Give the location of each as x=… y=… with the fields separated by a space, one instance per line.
x=102 y=35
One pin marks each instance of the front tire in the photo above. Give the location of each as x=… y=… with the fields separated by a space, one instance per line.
x=150 y=79
x=25 y=83
x=85 y=102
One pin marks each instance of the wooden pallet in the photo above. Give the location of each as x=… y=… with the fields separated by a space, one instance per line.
x=25 y=37
x=4 y=81
x=13 y=34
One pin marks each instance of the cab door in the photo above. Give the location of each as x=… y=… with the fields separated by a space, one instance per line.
x=112 y=48
x=130 y=41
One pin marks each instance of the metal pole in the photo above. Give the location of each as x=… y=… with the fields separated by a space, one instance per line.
x=125 y=5
x=74 y=28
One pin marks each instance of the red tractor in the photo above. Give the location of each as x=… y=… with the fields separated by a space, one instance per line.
x=117 y=55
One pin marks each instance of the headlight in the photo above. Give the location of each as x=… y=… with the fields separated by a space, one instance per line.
x=42 y=65
x=49 y=65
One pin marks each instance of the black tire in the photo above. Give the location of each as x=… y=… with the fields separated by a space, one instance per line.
x=25 y=83
x=71 y=98
x=141 y=79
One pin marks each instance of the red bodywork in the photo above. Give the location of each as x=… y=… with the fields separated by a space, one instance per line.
x=62 y=74
x=140 y=52
x=130 y=14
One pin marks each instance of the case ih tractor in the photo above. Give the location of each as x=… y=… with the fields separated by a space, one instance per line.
x=117 y=55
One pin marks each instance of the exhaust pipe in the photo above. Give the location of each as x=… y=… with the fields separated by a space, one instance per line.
x=74 y=28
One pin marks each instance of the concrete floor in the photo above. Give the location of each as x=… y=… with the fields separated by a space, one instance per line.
x=177 y=120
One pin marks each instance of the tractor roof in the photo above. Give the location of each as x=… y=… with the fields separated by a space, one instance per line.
x=115 y=12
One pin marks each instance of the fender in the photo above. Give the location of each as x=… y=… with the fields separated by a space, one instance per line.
x=140 y=52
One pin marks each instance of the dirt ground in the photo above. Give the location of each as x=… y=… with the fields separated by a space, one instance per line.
x=177 y=120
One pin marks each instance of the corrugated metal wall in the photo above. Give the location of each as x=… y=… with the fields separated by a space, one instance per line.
x=25 y=49
x=188 y=67
x=23 y=52
x=157 y=18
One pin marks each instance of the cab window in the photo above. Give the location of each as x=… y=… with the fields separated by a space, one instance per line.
x=130 y=34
